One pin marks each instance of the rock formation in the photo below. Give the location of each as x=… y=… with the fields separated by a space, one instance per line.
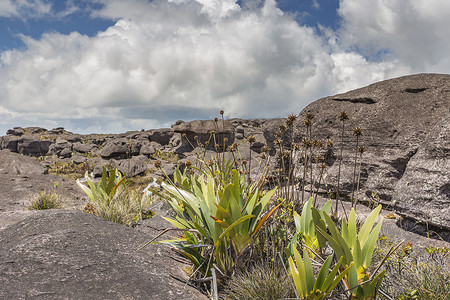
x=68 y=254
x=405 y=132
x=405 y=123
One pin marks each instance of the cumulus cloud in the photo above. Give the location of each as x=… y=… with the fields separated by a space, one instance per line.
x=412 y=31
x=24 y=8
x=187 y=59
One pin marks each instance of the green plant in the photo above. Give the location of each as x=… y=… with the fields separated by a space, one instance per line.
x=113 y=201
x=356 y=248
x=220 y=219
x=167 y=156
x=306 y=284
x=306 y=228
x=45 y=200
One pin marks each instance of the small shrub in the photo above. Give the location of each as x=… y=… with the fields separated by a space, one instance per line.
x=45 y=200
x=410 y=275
x=113 y=200
x=262 y=281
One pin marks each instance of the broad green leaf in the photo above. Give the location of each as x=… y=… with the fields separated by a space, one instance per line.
x=318 y=285
x=368 y=224
x=369 y=245
x=309 y=272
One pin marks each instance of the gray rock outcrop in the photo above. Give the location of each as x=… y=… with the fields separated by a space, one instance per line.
x=405 y=131
x=68 y=254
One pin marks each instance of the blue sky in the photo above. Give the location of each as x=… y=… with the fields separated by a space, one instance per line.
x=115 y=65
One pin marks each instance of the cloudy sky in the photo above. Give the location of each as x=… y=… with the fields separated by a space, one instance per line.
x=116 y=65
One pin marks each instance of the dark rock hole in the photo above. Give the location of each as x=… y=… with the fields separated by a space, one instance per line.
x=415 y=90
x=363 y=100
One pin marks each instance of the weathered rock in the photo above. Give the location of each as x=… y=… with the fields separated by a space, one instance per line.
x=18 y=131
x=61 y=254
x=396 y=116
x=425 y=183
x=59 y=146
x=16 y=164
x=9 y=142
x=161 y=136
x=116 y=148
x=149 y=148
x=32 y=145
x=82 y=148
x=200 y=131
x=136 y=165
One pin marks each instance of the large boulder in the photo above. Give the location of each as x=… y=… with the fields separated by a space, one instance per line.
x=399 y=119
x=16 y=164
x=68 y=254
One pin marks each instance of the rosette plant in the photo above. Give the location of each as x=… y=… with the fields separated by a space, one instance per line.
x=219 y=219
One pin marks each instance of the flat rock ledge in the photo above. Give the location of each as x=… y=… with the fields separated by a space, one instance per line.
x=68 y=254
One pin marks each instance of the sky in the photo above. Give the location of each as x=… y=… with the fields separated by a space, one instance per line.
x=109 y=66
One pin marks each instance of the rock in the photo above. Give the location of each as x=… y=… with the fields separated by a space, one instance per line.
x=199 y=131
x=58 y=130
x=115 y=148
x=62 y=254
x=32 y=145
x=396 y=116
x=136 y=165
x=9 y=142
x=74 y=138
x=424 y=189
x=65 y=153
x=61 y=147
x=83 y=148
x=16 y=164
x=15 y=131
x=161 y=136
x=149 y=148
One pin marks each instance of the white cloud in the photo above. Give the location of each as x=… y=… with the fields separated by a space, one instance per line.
x=24 y=8
x=412 y=31
x=187 y=59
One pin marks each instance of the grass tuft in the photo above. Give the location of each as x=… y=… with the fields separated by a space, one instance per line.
x=45 y=200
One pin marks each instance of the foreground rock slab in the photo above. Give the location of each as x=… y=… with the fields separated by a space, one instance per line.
x=68 y=254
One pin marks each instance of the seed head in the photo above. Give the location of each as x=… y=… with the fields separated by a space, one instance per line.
x=212 y=131
x=357 y=131
x=361 y=149
x=296 y=147
x=207 y=143
x=221 y=112
x=282 y=127
x=278 y=141
x=244 y=162
x=188 y=163
x=329 y=144
x=225 y=140
x=287 y=153
x=317 y=144
x=195 y=138
x=290 y=120
x=306 y=143
x=251 y=139
x=310 y=116
x=343 y=116
x=307 y=122
x=183 y=135
x=263 y=156
x=320 y=158
x=216 y=120
x=157 y=164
